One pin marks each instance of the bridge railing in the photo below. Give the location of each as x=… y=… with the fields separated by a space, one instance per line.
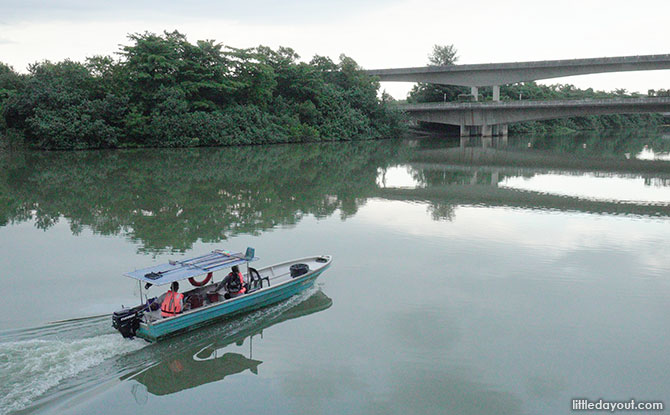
x=536 y=104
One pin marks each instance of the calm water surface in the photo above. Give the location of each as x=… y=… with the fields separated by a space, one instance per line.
x=468 y=278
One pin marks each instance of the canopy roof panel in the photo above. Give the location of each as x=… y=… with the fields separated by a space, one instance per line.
x=180 y=270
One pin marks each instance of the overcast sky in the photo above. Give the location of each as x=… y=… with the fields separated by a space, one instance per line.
x=376 y=33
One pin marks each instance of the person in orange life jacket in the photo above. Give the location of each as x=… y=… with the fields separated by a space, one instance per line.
x=173 y=303
x=234 y=283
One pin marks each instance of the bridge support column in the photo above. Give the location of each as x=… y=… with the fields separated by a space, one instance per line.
x=465 y=130
x=503 y=130
x=496 y=92
x=475 y=92
x=496 y=130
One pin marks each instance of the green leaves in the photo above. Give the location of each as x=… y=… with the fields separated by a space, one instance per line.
x=443 y=55
x=165 y=91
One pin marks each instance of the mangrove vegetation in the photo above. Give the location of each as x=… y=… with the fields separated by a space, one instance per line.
x=164 y=91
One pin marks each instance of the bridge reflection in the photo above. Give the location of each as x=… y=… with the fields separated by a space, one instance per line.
x=487 y=172
x=166 y=200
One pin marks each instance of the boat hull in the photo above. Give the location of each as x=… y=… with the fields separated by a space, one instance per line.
x=238 y=305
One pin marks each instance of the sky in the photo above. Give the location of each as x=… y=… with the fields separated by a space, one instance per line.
x=375 y=33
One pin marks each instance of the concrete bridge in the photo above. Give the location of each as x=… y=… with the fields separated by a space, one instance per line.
x=491 y=118
x=496 y=74
x=487 y=119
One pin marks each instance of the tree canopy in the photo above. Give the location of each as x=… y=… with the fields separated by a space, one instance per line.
x=443 y=55
x=162 y=90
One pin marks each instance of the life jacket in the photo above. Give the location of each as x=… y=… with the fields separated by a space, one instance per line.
x=236 y=283
x=171 y=304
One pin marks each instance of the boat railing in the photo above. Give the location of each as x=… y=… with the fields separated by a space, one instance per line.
x=154 y=316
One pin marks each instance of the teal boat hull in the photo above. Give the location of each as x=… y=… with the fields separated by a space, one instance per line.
x=216 y=312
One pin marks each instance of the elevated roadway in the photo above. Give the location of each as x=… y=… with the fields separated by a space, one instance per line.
x=492 y=74
x=491 y=118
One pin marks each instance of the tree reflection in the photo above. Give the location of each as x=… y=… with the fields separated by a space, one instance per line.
x=168 y=199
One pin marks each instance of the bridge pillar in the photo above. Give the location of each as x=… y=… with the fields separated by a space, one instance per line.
x=496 y=92
x=496 y=130
x=465 y=130
x=474 y=91
x=503 y=130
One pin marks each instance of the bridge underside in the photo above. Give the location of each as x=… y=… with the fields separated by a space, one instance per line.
x=490 y=119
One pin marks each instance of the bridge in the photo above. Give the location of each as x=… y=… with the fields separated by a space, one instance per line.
x=496 y=74
x=491 y=118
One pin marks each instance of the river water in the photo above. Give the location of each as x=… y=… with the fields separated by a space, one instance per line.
x=468 y=277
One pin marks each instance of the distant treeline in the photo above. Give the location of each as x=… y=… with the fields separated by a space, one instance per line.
x=659 y=93
x=447 y=55
x=167 y=92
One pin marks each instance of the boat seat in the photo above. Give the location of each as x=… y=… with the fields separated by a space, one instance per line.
x=255 y=280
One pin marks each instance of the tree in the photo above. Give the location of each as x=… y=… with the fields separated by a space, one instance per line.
x=166 y=91
x=10 y=84
x=443 y=55
x=61 y=107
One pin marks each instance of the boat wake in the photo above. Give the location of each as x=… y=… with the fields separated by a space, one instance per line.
x=32 y=361
x=39 y=366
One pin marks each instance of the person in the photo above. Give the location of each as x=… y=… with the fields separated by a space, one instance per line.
x=173 y=303
x=234 y=283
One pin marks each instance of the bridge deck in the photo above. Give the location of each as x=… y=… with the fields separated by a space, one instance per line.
x=526 y=104
x=489 y=74
x=504 y=112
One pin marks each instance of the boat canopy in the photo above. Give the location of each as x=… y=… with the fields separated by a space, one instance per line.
x=193 y=267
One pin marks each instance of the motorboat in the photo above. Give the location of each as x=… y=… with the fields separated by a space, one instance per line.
x=210 y=301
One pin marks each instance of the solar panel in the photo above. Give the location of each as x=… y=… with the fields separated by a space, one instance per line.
x=192 y=267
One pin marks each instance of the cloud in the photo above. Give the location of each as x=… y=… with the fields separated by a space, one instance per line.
x=258 y=11
x=376 y=33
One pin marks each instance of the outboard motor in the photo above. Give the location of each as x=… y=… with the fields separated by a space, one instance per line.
x=298 y=270
x=127 y=321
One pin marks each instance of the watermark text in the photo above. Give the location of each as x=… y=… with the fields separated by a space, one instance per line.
x=583 y=404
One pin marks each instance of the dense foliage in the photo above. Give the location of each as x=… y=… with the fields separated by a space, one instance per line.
x=165 y=91
x=447 y=55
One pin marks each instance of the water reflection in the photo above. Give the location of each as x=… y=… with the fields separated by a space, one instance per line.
x=445 y=186
x=169 y=199
x=451 y=346
x=215 y=356
x=166 y=200
x=615 y=188
x=648 y=153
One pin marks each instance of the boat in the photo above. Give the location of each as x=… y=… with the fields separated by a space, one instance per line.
x=209 y=302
